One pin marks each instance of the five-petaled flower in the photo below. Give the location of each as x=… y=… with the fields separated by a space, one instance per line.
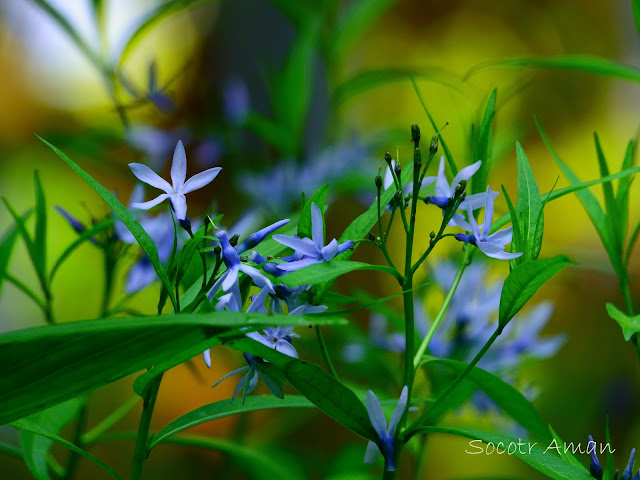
x=308 y=251
x=445 y=191
x=491 y=245
x=175 y=192
x=386 y=445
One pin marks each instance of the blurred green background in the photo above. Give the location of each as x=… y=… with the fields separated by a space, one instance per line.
x=50 y=89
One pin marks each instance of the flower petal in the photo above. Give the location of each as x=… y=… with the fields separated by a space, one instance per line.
x=297 y=244
x=330 y=251
x=179 y=204
x=231 y=278
x=388 y=176
x=399 y=411
x=148 y=176
x=258 y=278
x=317 y=226
x=466 y=173
x=376 y=416
x=151 y=203
x=257 y=302
x=179 y=167
x=372 y=453
x=495 y=251
x=286 y=348
x=298 y=265
x=474 y=225
x=501 y=236
x=442 y=186
x=200 y=180
x=207 y=357
x=488 y=213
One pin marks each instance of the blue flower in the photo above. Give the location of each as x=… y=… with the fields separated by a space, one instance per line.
x=407 y=189
x=595 y=469
x=235 y=100
x=309 y=251
x=445 y=190
x=491 y=245
x=385 y=445
x=155 y=95
x=177 y=190
x=76 y=224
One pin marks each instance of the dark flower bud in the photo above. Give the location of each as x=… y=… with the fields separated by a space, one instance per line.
x=244 y=258
x=378 y=182
x=186 y=224
x=432 y=235
x=217 y=250
x=460 y=188
x=433 y=148
x=415 y=135
x=234 y=240
x=371 y=237
x=387 y=157
x=398 y=170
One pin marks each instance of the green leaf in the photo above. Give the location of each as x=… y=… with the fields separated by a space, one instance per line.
x=367 y=80
x=481 y=145
x=36 y=448
x=319 y=198
x=635 y=7
x=224 y=408
x=26 y=425
x=260 y=465
x=327 y=271
x=629 y=325
x=536 y=456
x=611 y=205
x=517 y=245
x=323 y=390
x=82 y=237
x=82 y=356
x=529 y=209
x=566 y=455
x=592 y=207
x=297 y=12
x=6 y=246
x=608 y=473
x=40 y=237
x=142 y=237
x=622 y=195
x=510 y=400
x=148 y=21
x=271 y=132
x=525 y=280
x=579 y=63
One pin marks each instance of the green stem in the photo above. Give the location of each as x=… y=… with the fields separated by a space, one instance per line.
x=142 y=440
x=74 y=457
x=443 y=310
x=325 y=353
x=108 y=283
x=114 y=417
x=386 y=475
x=26 y=290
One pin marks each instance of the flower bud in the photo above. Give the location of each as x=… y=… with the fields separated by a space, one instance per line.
x=186 y=224
x=217 y=250
x=398 y=170
x=415 y=135
x=378 y=182
x=433 y=148
x=460 y=188
x=371 y=237
x=387 y=157
x=234 y=240
x=432 y=235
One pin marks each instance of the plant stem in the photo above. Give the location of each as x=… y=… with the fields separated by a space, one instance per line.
x=325 y=353
x=114 y=417
x=24 y=289
x=74 y=457
x=108 y=282
x=142 y=440
x=443 y=310
x=389 y=475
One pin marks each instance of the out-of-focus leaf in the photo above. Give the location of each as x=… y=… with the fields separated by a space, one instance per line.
x=82 y=356
x=26 y=425
x=566 y=455
x=610 y=202
x=36 y=448
x=537 y=457
x=369 y=79
x=481 y=145
x=270 y=132
x=579 y=63
x=510 y=400
x=319 y=198
x=360 y=16
x=142 y=237
x=327 y=271
x=327 y=393
x=635 y=7
x=6 y=246
x=148 y=21
x=82 y=237
x=224 y=408
x=525 y=280
x=260 y=465
x=622 y=195
x=629 y=325
x=591 y=206
x=40 y=236
x=529 y=209
x=296 y=11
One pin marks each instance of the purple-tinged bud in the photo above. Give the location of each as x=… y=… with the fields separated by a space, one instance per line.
x=74 y=222
x=463 y=237
x=186 y=224
x=594 y=468
x=343 y=247
x=257 y=237
x=626 y=475
x=441 y=202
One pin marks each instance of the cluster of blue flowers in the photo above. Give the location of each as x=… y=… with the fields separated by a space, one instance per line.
x=596 y=469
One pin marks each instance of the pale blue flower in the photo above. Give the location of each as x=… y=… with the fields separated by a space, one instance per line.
x=235 y=100
x=308 y=251
x=491 y=245
x=385 y=445
x=177 y=190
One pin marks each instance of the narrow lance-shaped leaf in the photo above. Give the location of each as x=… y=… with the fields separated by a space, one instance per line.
x=482 y=145
x=26 y=425
x=517 y=244
x=529 y=209
x=622 y=194
x=142 y=237
x=36 y=448
x=611 y=205
x=85 y=355
x=327 y=393
x=40 y=237
x=327 y=271
x=525 y=280
x=6 y=247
